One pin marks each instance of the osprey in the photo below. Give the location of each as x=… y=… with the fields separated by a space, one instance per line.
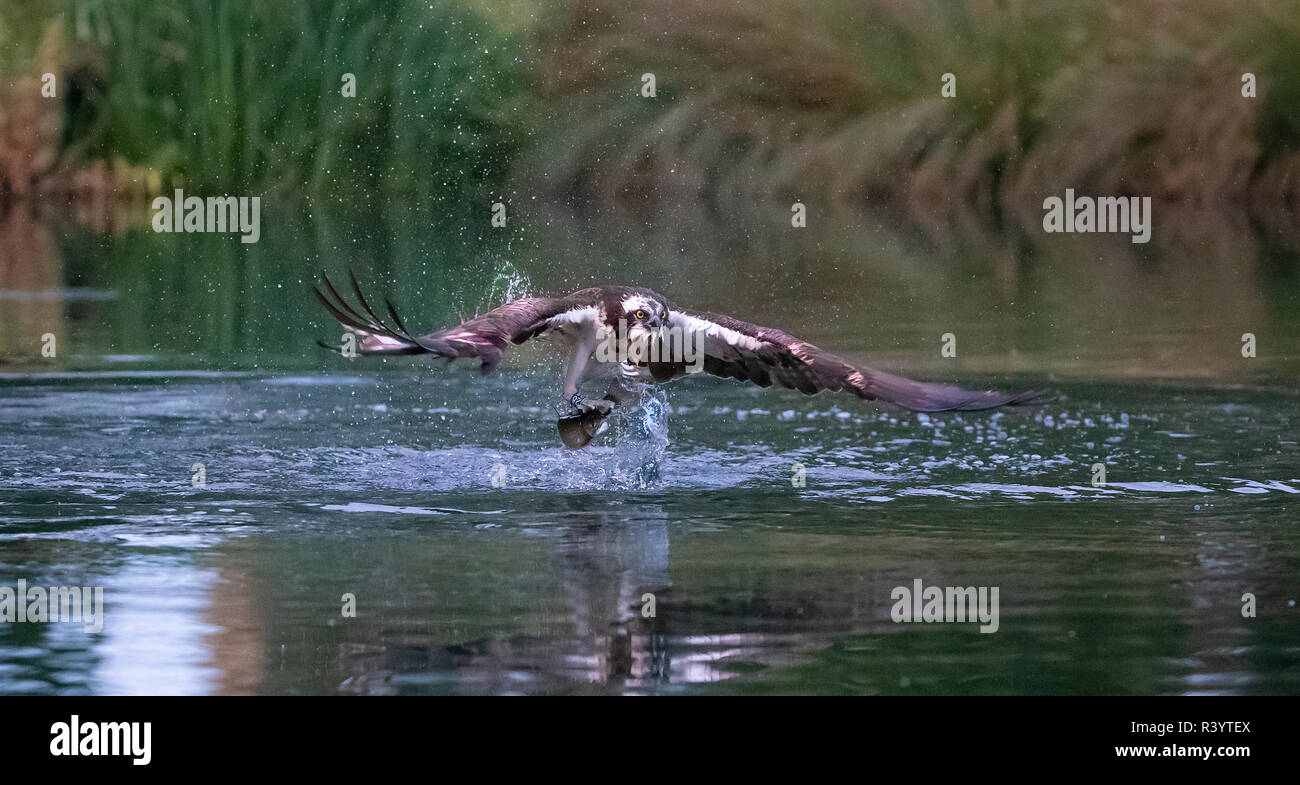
x=628 y=338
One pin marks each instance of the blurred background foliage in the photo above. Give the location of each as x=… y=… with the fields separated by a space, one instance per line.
x=829 y=100
x=241 y=96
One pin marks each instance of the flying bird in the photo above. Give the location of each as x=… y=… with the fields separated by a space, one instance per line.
x=626 y=338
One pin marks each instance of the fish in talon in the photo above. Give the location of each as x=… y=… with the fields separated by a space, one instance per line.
x=578 y=430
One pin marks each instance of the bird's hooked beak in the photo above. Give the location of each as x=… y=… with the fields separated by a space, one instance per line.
x=652 y=324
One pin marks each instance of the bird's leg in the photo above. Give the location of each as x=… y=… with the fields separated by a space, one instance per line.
x=582 y=419
x=571 y=401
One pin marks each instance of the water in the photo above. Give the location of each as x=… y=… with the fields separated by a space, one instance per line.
x=484 y=558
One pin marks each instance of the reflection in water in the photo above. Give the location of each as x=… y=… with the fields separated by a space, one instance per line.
x=583 y=623
x=237 y=640
x=869 y=284
x=605 y=562
x=155 y=643
x=1083 y=305
x=31 y=285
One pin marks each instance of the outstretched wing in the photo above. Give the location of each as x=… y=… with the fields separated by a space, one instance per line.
x=484 y=337
x=738 y=350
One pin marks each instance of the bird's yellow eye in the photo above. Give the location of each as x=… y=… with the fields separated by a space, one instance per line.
x=640 y=314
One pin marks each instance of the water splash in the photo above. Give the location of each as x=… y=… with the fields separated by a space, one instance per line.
x=509 y=285
x=640 y=436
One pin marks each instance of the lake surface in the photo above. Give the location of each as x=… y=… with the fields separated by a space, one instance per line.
x=484 y=558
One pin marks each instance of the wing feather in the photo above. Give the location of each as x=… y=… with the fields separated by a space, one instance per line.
x=765 y=356
x=484 y=337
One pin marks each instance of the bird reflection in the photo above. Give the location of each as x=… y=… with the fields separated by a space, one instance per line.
x=609 y=631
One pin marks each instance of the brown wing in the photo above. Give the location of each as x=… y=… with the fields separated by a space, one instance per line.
x=738 y=350
x=483 y=336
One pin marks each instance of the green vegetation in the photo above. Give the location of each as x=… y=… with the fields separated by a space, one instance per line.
x=821 y=100
x=841 y=101
x=239 y=96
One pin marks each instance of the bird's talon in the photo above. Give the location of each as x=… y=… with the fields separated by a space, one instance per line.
x=571 y=406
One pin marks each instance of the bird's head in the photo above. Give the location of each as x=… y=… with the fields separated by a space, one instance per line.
x=643 y=312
